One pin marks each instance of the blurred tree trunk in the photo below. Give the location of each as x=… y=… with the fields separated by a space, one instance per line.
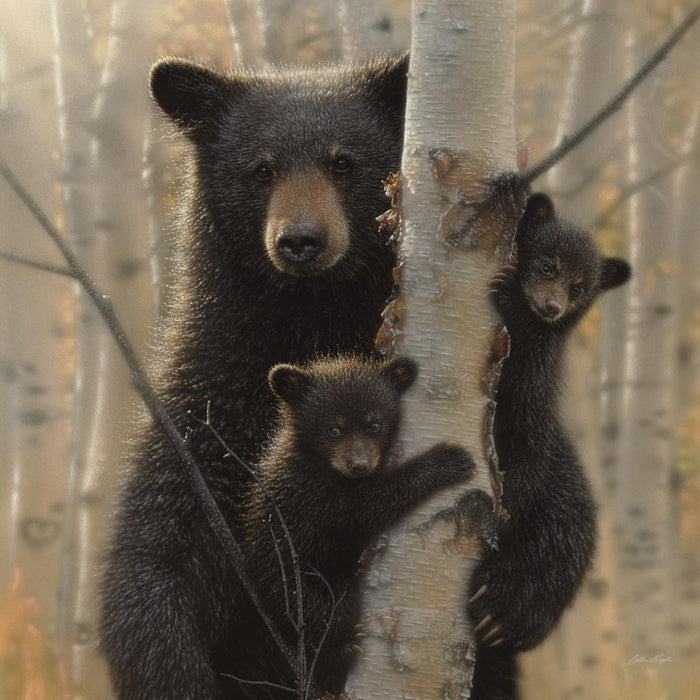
x=370 y=27
x=594 y=57
x=685 y=623
x=103 y=211
x=646 y=458
x=298 y=30
x=459 y=131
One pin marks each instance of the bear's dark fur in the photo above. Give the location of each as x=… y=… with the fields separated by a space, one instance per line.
x=279 y=259
x=326 y=469
x=546 y=545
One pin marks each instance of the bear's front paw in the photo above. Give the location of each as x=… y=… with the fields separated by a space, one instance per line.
x=452 y=461
x=503 y=611
x=500 y=289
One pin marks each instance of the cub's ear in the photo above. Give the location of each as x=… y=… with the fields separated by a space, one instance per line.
x=401 y=372
x=614 y=272
x=289 y=383
x=387 y=79
x=190 y=94
x=539 y=207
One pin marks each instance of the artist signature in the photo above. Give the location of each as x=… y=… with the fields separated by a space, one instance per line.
x=658 y=659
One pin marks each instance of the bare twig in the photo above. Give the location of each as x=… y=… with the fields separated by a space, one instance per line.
x=160 y=415
x=283 y=573
x=38 y=264
x=301 y=649
x=265 y=683
x=615 y=103
x=334 y=606
x=638 y=185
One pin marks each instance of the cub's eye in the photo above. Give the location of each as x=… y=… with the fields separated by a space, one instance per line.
x=342 y=165
x=576 y=290
x=374 y=427
x=334 y=432
x=263 y=173
x=547 y=269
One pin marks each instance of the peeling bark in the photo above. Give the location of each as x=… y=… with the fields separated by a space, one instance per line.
x=458 y=221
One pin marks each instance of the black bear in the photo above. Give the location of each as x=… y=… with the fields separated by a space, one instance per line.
x=325 y=468
x=279 y=259
x=519 y=591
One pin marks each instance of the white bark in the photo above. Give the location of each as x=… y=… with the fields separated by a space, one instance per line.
x=646 y=458
x=461 y=104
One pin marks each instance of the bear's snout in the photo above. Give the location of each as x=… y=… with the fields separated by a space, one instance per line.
x=306 y=231
x=300 y=243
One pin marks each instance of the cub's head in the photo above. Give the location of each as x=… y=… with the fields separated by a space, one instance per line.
x=343 y=411
x=289 y=163
x=560 y=269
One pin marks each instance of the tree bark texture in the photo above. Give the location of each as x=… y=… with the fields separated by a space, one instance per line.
x=459 y=132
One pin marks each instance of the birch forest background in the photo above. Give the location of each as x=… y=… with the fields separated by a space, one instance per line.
x=77 y=128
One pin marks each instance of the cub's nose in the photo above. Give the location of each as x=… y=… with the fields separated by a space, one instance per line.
x=360 y=467
x=552 y=308
x=300 y=243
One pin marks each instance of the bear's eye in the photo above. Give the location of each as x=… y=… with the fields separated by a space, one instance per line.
x=374 y=427
x=334 y=432
x=263 y=173
x=547 y=269
x=576 y=290
x=342 y=165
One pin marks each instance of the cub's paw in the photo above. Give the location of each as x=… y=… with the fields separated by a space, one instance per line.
x=503 y=610
x=452 y=461
x=500 y=288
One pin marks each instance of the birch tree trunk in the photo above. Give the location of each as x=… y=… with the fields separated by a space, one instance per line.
x=459 y=132
x=646 y=452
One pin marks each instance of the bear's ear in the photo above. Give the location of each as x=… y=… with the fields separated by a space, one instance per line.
x=387 y=79
x=401 y=372
x=289 y=383
x=539 y=209
x=187 y=92
x=613 y=273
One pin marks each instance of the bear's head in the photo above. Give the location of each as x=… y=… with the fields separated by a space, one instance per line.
x=560 y=268
x=343 y=411
x=288 y=163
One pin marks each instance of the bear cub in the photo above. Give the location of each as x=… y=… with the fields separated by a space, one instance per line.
x=520 y=590
x=326 y=467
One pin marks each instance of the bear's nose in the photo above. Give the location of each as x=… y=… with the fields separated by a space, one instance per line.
x=552 y=308
x=300 y=243
x=360 y=467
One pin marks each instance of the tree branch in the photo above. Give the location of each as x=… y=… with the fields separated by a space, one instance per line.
x=145 y=389
x=614 y=104
x=37 y=264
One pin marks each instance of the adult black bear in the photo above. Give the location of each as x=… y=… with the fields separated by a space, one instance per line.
x=325 y=467
x=520 y=590
x=279 y=260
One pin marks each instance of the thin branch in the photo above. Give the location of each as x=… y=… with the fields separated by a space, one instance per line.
x=334 y=607
x=283 y=572
x=615 y=103
x=38 y=264
x=265 y=683
x=638 y=185
x=157 y=410
x=301 y=649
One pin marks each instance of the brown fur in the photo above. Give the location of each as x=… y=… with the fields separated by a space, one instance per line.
x=307 y=199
